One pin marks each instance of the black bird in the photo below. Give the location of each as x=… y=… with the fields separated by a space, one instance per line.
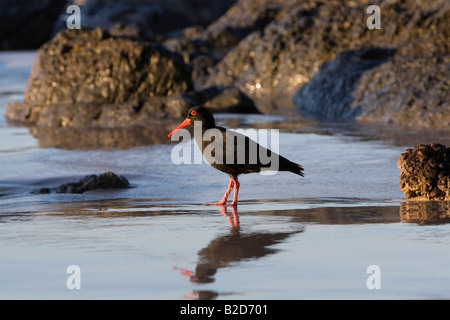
x=232 y=152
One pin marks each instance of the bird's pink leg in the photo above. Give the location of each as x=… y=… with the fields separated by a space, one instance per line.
x=225 y=196
x=236 y=191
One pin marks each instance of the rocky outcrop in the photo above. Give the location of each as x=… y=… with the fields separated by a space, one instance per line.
x=425 y=172
x=89 y=78
x=82 y=76
x=408 y=88
x=155 y=17
x=108 y=180
x=329 y=94
x=318 y=56
x=320 y=41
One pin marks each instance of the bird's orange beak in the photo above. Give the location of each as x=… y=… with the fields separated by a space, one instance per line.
x=182 y=125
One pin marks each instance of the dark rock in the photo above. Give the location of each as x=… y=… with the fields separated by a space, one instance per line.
x=270 y=63
x=108 y=180
x=425 y=172
x=411 y=88
x=228 y=100
x=204 y=48
x=83 y=75
x=273 y=61
x=329 y=94
x=149 y=16
x=27 y=24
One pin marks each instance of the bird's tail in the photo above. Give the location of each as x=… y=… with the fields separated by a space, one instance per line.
x=291 y=167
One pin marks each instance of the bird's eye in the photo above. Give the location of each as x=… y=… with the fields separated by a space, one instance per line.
x=193 y=113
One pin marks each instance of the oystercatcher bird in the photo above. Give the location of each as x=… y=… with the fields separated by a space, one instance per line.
x=232 y=152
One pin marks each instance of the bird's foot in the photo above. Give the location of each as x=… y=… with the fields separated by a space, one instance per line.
x=219 y=203
x=233 y=204
x=223 y=204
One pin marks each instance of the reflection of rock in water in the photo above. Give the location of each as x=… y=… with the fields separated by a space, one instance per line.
x=425 y=212
x=233 y=248
x=96 y=138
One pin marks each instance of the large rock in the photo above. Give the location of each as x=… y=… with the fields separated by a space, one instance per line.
x=410 y=88
x=329 y=94
x=281 y=56
x=274 y=61
x=82 y=76
x=203 y=48
x=89 y=78
x=148 y=17
x=425 y=172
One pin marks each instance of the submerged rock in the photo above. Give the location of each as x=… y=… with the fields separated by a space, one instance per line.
x=108 y=180
x=425 y=172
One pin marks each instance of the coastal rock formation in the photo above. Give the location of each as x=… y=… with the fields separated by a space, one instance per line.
x=409 y=88
x=261 y=55
x=329 y=93
x=425 y=172
x=89 y=78
x=149 y=16
x=108 y=180
x=88 y=68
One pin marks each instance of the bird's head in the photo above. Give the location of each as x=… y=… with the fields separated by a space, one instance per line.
x=196 y=113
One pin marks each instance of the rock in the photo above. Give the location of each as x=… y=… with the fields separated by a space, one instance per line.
x=83 y=75
x=27 y=24
x=425 y=172
x=149 y=16
x=204 y=48
x=329 y=94
x=91 y=79
x=271 y=63
x=108 y=180
x=280 y=56
x=227 y=100
x=410 y=89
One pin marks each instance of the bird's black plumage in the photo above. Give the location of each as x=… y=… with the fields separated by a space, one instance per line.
x=232 y=152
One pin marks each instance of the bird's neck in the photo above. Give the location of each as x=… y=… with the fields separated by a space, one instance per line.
x=208 y=124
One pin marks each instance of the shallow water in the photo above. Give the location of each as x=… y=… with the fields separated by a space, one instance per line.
x=289 y=238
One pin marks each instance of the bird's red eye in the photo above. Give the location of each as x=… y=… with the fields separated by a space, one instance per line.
x=193 y=113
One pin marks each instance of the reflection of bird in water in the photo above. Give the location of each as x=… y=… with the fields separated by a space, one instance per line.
x=233 y=219
x=245 y=154
x=232 y=248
